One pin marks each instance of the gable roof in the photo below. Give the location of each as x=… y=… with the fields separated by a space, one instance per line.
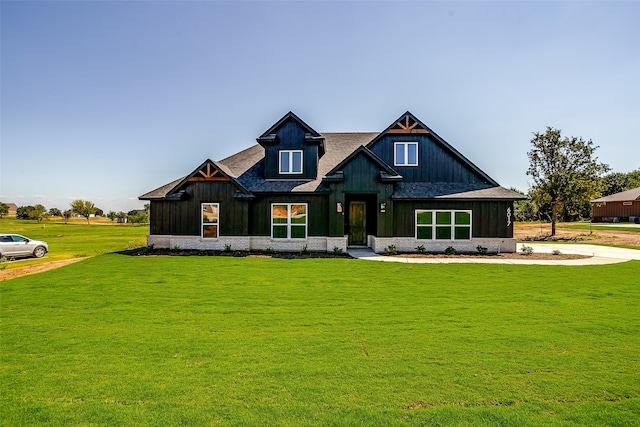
x=207 y=171
x=308 y=129
x=410 y=124
x=623 y=196
x=387 y=171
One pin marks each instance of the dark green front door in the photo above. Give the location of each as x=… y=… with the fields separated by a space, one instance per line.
x=358 y=223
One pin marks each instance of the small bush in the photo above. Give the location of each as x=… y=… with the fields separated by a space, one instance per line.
x=527 y=250
x=450 y=251
x=337 y=250
x=421 y=249
x=269 y=250
x=227 y=247
x=482 y=250
x=556 y=252
x=305 y=250
x=176 y=248
x=391 y=250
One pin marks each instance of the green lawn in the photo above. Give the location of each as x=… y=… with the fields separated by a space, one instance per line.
x=118 y=340
x=76 y=239
x=587 y=226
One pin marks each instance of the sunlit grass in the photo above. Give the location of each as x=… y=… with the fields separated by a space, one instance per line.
x=118 y=340
x=76 y=239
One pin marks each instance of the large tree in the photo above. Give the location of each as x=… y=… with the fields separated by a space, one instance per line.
x=84 y=208
x=564 y=170
x=617 y=182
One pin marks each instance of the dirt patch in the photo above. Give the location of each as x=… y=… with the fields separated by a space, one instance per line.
x=12 y=273
x=542 y=232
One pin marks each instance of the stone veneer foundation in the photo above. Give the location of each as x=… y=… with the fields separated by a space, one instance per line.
x=326 y=244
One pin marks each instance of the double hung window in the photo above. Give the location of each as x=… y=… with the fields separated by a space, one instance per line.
x=289 y=220
x=290 y=161
x=405 y=153
x=443 y=225
x=210 y=220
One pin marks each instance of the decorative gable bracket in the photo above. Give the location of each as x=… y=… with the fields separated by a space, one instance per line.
x=408 y=124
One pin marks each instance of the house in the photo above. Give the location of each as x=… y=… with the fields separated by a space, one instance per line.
x=623 y=206
x=300 y=189
x=13 y=209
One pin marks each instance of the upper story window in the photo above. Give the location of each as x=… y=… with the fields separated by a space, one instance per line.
x=405 y=153
x=290 y=161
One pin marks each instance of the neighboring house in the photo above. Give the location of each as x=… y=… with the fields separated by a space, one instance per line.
x=298 y=189
x=13 y=209
x=623 y=206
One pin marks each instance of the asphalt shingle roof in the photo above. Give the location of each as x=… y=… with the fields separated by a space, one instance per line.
x=624 y=196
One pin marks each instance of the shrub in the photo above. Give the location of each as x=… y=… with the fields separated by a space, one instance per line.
x=227 y=247
x=337 y=250
x=391 y=250
x=556 y=252
x=482 y=250
x=421 y=249
x=305 y=250
x=450 y=251
x=269 y=250
x=527 y=250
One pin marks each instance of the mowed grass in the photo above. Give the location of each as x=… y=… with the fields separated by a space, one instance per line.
x=76 y=239
x=119 y=340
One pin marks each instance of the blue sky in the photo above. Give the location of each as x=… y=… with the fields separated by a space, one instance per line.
x=108 y=100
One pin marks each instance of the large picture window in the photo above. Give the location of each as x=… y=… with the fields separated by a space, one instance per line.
x=289 y=220
x=443 y=225
x=210 y=220
x=405 y=153
x=290 y=161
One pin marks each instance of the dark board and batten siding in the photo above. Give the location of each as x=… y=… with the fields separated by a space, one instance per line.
x=183 y=218
x=435 y=164
x=317 y=213
x=290 y=136
x=489 y=218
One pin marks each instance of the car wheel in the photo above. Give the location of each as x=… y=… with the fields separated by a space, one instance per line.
x=39 y=252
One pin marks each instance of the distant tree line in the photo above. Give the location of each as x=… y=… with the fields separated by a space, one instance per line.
x=83 y=208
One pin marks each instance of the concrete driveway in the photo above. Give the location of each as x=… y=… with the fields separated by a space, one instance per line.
x=598 y=255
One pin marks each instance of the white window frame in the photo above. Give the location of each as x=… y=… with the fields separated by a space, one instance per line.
x=289 y=224
x=452 y=225
x=405 y=160
x=290 y=164
x=203 y=223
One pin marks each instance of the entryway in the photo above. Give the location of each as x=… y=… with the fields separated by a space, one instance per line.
x=360 y=218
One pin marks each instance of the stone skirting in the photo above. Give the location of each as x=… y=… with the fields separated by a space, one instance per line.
x=248 y=243
x=409 y=244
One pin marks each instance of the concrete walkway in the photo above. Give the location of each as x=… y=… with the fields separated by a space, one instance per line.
x=598 y=255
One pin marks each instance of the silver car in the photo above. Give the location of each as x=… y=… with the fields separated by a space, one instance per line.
x=15 y=245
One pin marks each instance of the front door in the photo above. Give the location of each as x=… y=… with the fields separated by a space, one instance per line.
x=358 y=223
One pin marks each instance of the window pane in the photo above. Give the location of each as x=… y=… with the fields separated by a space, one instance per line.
x=399 y=154
x=298 y=231
x=463 y=218
x=412 y=154
x=425 y=217
x=296 y=162
x=280 y=214
x=210 y=231
x=443 y=233
x=298 y=214
x=279 y=231
x=424 y=233
x=443 y=218
x=463 y=233
x=209 y=212
x=284 y=162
